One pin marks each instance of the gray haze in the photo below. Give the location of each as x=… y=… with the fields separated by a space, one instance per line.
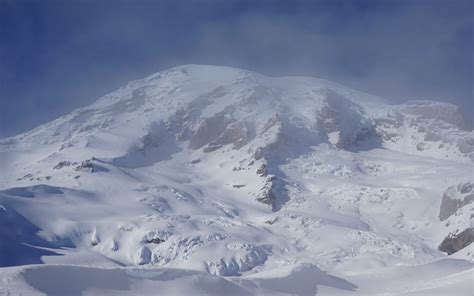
x=57 y=56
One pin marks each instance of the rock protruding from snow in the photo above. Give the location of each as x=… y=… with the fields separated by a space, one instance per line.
x=456 y=242
x=267 y=195
x=209 y=130
x=343 y=122
x=454 y=198
x=95 y=239
x=86 y=166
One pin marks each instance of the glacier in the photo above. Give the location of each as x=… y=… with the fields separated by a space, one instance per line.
x=204 y=180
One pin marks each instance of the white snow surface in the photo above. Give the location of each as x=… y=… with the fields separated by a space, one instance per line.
x=207 y=180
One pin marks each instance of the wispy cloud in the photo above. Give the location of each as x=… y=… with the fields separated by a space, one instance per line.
x=56 y=56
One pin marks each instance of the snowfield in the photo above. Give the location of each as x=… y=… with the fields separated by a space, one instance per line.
x=206 y=180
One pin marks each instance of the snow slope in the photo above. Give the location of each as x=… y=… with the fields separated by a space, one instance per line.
x=203 y=179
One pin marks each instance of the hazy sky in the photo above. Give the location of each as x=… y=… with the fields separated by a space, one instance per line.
x=56 y=56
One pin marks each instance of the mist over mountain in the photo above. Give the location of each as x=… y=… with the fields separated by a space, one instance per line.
x=57 y=56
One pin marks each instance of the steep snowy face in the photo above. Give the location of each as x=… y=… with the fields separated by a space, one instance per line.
x=205 y=107
x=234 y=173
x=428 y=128
x=200 y=104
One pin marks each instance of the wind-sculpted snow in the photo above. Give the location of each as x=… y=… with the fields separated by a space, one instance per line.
x=20 y=241
x=211 y=180
x=75 y=280
x=33 y=191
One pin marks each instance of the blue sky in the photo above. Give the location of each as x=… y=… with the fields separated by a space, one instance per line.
x=56 y=56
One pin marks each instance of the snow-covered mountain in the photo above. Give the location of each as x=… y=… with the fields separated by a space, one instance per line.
x=204 y=179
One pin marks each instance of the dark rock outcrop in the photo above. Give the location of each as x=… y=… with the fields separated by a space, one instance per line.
x=267 y=195
x=209 y=130
x=86 y=166
x=155 y=240
x=455 y=242
x=62 y=164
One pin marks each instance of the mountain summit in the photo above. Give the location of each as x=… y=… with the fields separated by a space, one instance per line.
x=223 y=177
